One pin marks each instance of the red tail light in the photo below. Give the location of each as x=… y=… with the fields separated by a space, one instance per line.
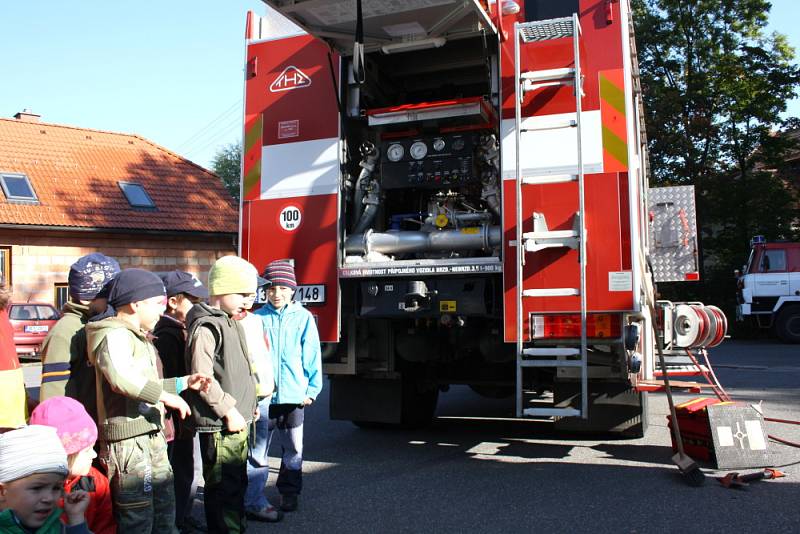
x=568 y=326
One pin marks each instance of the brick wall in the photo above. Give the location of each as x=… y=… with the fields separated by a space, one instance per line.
x=41 y=259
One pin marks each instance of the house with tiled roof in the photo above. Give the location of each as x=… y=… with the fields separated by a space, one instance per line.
x=67 y=191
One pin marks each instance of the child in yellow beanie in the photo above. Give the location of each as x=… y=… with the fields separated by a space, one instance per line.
x=222 y=414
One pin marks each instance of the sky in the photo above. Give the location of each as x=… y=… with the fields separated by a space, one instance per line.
x=168 y=70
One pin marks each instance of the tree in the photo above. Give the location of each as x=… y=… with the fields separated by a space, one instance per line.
x=227 y=164
x=714 y=87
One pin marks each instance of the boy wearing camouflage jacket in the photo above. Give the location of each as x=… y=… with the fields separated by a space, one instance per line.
x=130 y=403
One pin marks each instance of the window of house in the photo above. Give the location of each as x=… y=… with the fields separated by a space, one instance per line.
x=136 y=195
x=61 y=295
x=17 y=187
x=5 y=265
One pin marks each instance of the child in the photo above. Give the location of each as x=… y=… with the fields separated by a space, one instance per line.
x=130 y=404
x=33 y=466
x=183 y=292
x=13 y=410
x=64 y=366
x=222 y=414
x=78 y=434
x=294 y=341
x=256 y=504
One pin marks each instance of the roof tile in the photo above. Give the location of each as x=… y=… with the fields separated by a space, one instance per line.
x=75 y=173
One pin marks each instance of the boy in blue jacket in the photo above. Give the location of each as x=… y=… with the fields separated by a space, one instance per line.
x=294 y=342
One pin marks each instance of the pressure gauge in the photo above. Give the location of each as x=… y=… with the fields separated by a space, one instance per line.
x=395 y=152
x=458 y=143
x=438 y=144
x=418 y=150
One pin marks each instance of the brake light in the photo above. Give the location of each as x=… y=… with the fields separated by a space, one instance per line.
x=564 y=326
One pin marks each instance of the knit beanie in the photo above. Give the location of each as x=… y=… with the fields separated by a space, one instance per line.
x=30 y=450
x=281 y=273
x=134 y=285
x=76 y=429
x=232 y=274
x=89 y=274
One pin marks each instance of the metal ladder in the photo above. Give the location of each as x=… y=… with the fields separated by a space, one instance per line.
x=541 y=238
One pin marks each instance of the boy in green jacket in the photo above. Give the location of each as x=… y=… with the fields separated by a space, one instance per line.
x=221 y=415
x=130 y=404
x=64 y=368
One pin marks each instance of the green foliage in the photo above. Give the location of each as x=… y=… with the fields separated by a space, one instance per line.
x=227 y=164
x=714 y=87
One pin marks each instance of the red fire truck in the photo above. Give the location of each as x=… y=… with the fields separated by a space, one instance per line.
x=462 y=187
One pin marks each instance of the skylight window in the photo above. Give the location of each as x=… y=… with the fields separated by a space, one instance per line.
x=17 y=187
x=136 y=195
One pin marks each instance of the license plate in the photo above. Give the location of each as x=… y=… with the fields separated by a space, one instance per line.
x=37 y=328
x=312 y=294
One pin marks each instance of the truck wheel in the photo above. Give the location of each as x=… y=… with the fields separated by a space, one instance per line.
x=787 y=326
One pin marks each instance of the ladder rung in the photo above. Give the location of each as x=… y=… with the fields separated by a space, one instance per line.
x=551 y=234
x=551 y=352
x=545 y=179
x=554 y=125
x=545 y=75
x=558 y=412
x=551 y=363
x=551 y=292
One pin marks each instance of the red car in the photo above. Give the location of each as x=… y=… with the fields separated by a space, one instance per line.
x=31 y=322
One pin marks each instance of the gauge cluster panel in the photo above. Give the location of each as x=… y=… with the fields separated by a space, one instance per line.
x=433 y=162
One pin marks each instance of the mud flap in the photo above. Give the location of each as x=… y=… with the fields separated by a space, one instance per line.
x=374 y=400
x=614 y=407
x=404 y=402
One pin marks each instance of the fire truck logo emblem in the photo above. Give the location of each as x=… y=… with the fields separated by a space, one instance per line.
x=290 y=78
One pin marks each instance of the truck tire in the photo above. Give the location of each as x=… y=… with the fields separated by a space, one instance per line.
x=614 y=408
x=787 y=325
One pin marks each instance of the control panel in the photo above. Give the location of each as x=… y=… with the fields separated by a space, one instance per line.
x=431 y=162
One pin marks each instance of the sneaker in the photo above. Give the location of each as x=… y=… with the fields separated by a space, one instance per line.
x=270 y=514
x=192 y=525
x=289 y=502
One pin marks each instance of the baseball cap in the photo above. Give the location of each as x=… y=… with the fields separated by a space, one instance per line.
x=178 y=282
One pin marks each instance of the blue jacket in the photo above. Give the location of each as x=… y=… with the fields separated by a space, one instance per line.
x=296 y=353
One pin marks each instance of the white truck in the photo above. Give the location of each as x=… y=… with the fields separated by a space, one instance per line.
x=768 y=292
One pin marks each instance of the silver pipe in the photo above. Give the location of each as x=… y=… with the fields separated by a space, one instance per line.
x=472 y=217
x=407 y=241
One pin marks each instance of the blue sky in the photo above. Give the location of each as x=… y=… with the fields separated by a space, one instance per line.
x=168 y=70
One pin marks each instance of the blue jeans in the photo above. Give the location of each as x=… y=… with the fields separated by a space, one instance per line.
x=287 y=419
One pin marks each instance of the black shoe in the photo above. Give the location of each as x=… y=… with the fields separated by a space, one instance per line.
x=289 y=502
x=192 y=525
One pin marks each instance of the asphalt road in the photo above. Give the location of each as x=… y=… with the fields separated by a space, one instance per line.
x=469 y=472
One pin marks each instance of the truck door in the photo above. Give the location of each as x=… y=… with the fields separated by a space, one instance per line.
x=770 y=279
x=290 y=185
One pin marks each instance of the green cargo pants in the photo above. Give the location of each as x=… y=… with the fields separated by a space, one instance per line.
x=225 y=474
x=141 y=484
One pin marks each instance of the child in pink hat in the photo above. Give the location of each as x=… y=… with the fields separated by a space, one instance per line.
x=78 y=434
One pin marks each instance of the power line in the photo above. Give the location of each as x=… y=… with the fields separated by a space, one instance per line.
x=216 y=137
x=201 y=133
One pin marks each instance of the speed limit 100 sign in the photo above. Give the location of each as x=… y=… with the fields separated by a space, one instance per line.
x=290 y=218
